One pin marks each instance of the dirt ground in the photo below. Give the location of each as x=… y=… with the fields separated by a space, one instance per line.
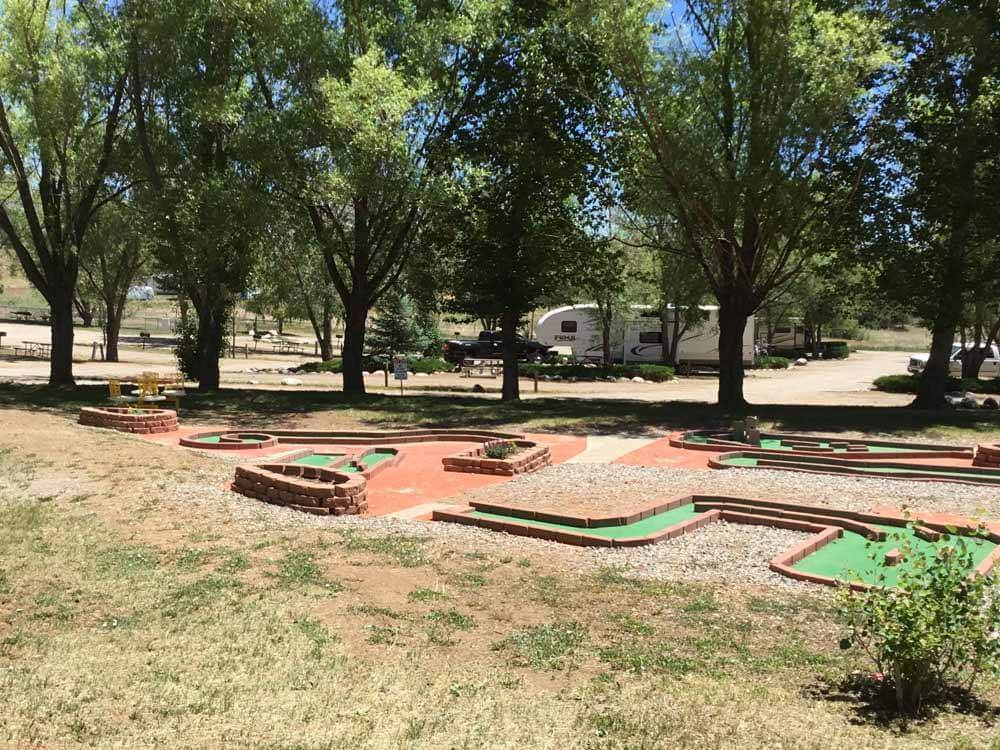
x=834 y=382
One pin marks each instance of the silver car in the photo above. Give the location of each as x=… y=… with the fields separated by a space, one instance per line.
x=990 y=368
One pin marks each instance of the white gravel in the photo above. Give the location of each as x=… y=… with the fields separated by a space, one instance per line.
x=720 y=552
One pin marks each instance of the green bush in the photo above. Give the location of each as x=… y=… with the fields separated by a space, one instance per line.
x=835 y=350
x=939 y=628
x=369 y=364
x=654 y=373
x=774 y=363
x=499 y=449
x=910 y=383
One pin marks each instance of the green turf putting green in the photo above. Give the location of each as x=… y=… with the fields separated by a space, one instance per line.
x=852 y=557
x=325 y=459
x=218 y=438
x=318 y=459
x=977 y=475
x=646 y=526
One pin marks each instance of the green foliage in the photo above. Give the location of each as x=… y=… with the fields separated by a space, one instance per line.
x=654 y=373
x=186 y=348
x=773 y=363
x=429 y=365
x=397 y=328
x=911 y=384
x=547 y=646
x=939 y=629
x=499 y=449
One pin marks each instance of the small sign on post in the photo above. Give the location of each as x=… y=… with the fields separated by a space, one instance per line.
x=400 y=370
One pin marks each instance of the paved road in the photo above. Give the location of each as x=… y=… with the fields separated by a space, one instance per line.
x=836 y=382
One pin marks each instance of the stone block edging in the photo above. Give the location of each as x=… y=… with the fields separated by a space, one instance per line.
x=531 y=457
x=855 y=447
x=826 y=524
x=125 y=419
x=310 y=489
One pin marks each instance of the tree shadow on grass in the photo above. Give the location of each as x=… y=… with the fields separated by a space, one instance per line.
x=248 y=408
x=871 y=704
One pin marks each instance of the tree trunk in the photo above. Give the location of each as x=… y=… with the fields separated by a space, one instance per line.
x=86 y=312
x=326 y=340
x=61 y=331
x=511 y=386
x=732 y=324
x=606 y=338
x=211 y=332
x=112 y=328
x=933 y=382
x=354 y=344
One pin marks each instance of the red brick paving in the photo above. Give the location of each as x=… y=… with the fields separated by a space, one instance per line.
x=419 y=478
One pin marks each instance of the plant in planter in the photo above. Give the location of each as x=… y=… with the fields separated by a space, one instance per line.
x=938 y=628
x=500 y=450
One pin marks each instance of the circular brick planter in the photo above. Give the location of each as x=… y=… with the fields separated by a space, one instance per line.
x=229 y=440
x=124 y=419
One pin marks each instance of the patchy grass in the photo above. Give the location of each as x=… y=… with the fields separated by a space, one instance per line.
x=124 y=631
x=547 y=646
x=298 y=569
x=406 y=551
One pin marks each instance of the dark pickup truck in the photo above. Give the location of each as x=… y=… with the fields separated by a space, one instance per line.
x=489 y=346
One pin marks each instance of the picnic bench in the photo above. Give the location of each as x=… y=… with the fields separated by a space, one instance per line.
x=482 y=368
x=39 y=349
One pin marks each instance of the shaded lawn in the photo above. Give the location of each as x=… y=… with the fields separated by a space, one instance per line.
x=258 y=408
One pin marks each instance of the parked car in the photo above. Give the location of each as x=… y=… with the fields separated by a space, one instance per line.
x=489 y=345
x=990 y=368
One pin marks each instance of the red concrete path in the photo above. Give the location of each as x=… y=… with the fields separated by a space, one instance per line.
x=419 y=478
x=660 y=453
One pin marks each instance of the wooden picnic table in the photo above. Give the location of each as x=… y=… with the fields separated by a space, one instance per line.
x=482 y=368
x=41 y=349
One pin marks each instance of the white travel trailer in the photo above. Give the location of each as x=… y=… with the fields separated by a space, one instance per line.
x=637 y=338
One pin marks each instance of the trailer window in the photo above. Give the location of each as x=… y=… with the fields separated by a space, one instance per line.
x=568 y=326
x=651 y=337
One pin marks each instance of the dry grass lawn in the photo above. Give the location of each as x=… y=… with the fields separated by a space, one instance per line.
x=130 y=619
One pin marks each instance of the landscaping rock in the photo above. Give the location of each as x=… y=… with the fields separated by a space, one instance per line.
x=291 y=381
x=969 y=403
x=801 y=361
x=990 y=403
x=477 y=388
x=422 y=374
x=637 y=379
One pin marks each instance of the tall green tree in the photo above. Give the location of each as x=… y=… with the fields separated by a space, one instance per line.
x=62 y=91
x=368 y=94
x=530 y=153
x=197 y=133
x=733 y=114
x=935 y=182
x=114 y=255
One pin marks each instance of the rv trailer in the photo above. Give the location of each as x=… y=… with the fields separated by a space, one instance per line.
x=637 y=337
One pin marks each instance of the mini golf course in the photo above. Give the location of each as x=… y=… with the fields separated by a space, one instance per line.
x=852 y=467
x=858 y=549
x=817 y=445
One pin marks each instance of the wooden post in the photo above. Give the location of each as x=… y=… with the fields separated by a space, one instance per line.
x=536 y=381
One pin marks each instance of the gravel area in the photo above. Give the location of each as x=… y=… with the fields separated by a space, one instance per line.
x=606 y=488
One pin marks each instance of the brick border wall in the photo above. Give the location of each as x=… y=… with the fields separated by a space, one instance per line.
x=987 y=456
x=531 y=457
x=768 y=460
x=335 y=437
x=856 y=448
x=125 y=419
x=826 y=524
x=310 y=489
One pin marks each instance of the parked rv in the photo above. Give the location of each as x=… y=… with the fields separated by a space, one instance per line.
x=637 y=337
